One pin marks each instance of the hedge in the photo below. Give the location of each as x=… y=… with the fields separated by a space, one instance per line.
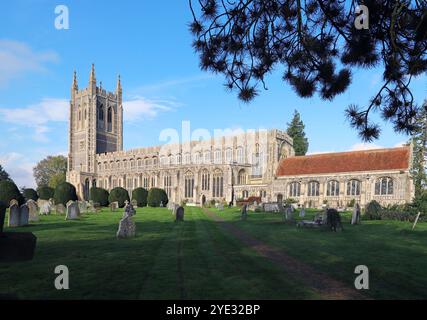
x=9 y=191
x=99 y=195
x=45 y=193
x=30 y=194
x=120 y=195
x=156 y=196
x=64 y=192
x=140 y=195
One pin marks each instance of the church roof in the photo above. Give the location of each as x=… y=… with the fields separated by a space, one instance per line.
x=353 y=161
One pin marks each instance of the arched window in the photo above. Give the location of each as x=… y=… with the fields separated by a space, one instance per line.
x=333 y=189
x=245 y=194
x=384 y=186
x=217 y=184
x=294 y=189
x=101 y=112
x=240 y=156
x=207 y=157
x=146 y=182
x=229 y=155
x=353 y=188
x=218 y=156
x=241 y=177
x=205 y=180
x=189 y=184
x=313 y=189
x=178 y=159
x=167 y=184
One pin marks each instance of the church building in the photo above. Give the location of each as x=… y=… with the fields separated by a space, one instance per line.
x=231 y=167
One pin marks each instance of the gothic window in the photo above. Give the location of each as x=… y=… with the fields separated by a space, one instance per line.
x=167 y=184
x=218 y=156
x=228 y=155
x=257 y=164
x=178 y=159
x=153 y=181
x=333 y=188
x=207 y=157
x=146 y=183
x=189 y=184
x=155 y=161
x=240 y=156
x=218 y=184
x=384 y=186
x=353 y=188
x=187 y=158
x=245 y=194
x=241 y=177
x=313 y=189
x=110 y=119
x=294 y=189
x=205 y=180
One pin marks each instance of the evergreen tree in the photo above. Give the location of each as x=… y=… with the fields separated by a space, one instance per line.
x=419 y=141
x=3 y=174
x=296 y=132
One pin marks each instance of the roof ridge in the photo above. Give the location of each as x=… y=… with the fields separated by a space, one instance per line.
x=351 y=151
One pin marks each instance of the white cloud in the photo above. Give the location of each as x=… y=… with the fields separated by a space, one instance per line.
x=19 y=168
x=140 y=108
x=17 y=58
x=37 y=116
x=365 y=146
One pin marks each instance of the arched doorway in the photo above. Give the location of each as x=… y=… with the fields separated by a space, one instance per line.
x=280 y=198
x=203 y=200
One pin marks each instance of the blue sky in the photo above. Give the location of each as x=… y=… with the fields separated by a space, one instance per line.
x=148 y=44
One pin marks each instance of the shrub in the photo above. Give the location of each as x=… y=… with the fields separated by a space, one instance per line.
x=156 y=196
x=99 y=195
x=351 y=203
x=30 y=194
x=373 y=211
x=140 y=195
x=120 y=195
x=45 y=193
x=64 y=192
x=9 y=191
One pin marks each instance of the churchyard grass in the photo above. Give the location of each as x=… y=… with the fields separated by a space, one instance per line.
x=395 y=255
x=193 y=259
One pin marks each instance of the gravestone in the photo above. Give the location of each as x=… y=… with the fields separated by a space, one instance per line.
x=83 y=207
x=271 y=207
x=221 y=207
x=14 y=214
x=302 y=212
x=13 y=202
x=127 y=227
x=73 y=211
x=355 y=218
x=179 y=214
x=24 y=215
x=45 y=207
x=244 y=212
x=60 y=209
x=134 y=203
x=33 y=211
x=114 y=206
x=2 y=216
x=161 y=204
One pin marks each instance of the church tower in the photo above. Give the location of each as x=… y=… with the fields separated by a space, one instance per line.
x=96 y=126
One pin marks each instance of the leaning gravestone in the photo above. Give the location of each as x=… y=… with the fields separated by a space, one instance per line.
x=33 y=211
x=24 y=215
x=73 y=211
x=179 y=214
x=244 y=212
x=14 y=214
x=127 y=227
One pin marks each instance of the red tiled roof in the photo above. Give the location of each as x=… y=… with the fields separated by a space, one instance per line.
x=366 y=160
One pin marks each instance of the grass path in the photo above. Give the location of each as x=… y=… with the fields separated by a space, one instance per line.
x=326 y=287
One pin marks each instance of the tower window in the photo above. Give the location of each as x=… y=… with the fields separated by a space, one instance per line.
x=101 y=113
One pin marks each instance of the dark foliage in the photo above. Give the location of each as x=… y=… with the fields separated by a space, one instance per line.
x=140 y=195
x=99 y=195
x=2 y=215
x=45 y=193
x=156 y=196
x=9 y=191
x=30 y=194
x=3 y=174
x=317 y=43
x=373 y=211
x=120 y=195
x=64 y=192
